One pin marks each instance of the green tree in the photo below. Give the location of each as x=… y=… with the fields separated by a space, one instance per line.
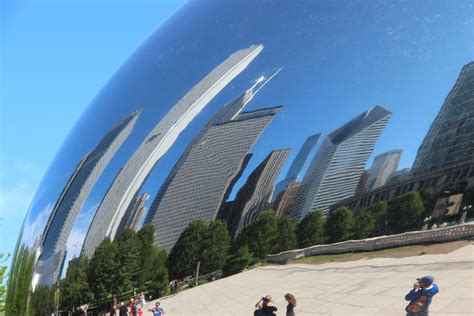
x=339 y=225
x=187 y=251
x=405 y=213
x=237 y=261
x=260 y=235
x=379 y=213
x=215 y=247
x=74 y=289
x=42 y=301
x=103 y=271
x=147 y=254
x=429 y=197
x=286 y=235
x=364 y=224
x=19 y=282
x=158 y=278
x=128 y=258
x=3 y=287
x=311 y=229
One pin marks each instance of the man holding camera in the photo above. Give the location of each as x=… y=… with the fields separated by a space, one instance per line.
x=421 y=296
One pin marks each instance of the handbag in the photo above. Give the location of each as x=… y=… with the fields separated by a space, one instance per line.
x=417 y=306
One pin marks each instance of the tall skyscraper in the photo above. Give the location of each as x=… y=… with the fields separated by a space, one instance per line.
x=134 y=214
x=399 y=175
x=336 y=168
x=225 y=206
x=450 y=139
x=284 y=203
x=229 y=111
x=382 y=167
x=130 y=179
x=74 y=194
x=297 y=164
x=198 y=186
x=253 y=198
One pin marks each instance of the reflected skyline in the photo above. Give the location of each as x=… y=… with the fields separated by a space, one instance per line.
x=131 y=178
x=335 y=60
x=74 y=195
x=335 y=170
x=198 y=188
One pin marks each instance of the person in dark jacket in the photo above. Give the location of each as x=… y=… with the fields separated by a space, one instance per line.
x=123 y=311
x=290 y=308
x=423 y=287
x=265 y=307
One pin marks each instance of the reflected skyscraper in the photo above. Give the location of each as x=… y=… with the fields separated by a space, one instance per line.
x=134 y=214
x=253 y=198
x=297 y=164
x=382 y=167
x=73 y=196
x=336 y=168
x=450 y=139
x=200 y=181
x=285 y=202
x=130 y=179
x=227 y=112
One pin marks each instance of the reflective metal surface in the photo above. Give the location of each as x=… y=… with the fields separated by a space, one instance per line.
x=333 y=60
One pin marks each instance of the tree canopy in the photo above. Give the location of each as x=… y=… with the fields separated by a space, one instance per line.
x=364 y=224
x=75 y=289
x=286 y=235
x=260 y=235
x=339 y=225
x=404 y=213
x=311 y=229
x=379 y=213
x=187 y=251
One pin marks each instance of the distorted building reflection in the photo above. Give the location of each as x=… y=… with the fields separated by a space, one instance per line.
x=131 y=178
x=72 y=198
x=382 y=167
x=297 y=165
x=450 y=139
x=198 y=183
x=336 y=168
x=254 y=196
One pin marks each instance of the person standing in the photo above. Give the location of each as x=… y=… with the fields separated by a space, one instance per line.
x=265 y=307
x=157 y=311
x=133 y=307
x=142 y=299
x=291 y=304
x=123 y=311
x=175 y=287
x=421 y=296
x=113 y=310
x=172 y=287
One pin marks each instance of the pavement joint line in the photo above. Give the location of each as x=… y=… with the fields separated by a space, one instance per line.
x=367 y=266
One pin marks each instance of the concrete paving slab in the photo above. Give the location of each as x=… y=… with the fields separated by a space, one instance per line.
x=364 y=287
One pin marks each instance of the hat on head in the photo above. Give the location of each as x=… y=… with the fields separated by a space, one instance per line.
x=428 y=279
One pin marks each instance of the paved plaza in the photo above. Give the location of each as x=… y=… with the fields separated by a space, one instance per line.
x=364 y=287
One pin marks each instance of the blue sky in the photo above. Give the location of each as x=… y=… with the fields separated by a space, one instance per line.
x=57 y=55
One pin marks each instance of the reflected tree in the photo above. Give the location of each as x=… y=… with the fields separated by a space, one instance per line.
x=311 y=229
x=404 y=213
x=364 y=224
x=19 y=280
x=339 y=225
